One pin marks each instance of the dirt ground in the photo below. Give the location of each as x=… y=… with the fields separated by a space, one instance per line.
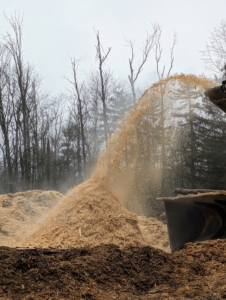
x=108 y=272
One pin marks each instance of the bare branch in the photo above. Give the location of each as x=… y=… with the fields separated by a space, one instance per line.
x=101 y=57
x=172 y=54
x=147 y=46
x=214 y=56
x=158 y=55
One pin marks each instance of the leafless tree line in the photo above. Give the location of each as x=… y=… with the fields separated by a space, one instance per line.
x=49 y=142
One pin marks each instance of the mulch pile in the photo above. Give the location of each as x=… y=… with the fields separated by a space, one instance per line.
x=21 y=212
x=111 y=272
x=89 y=215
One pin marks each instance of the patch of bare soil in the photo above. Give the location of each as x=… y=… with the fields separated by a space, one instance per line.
x=108 y=272
x=21 y=212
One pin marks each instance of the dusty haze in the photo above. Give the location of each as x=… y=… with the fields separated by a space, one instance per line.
x=94 y=212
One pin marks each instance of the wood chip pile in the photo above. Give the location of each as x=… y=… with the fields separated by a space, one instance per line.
x=21 y=212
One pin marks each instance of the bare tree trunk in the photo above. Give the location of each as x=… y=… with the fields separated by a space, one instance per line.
x=192 y=143
x=80 y=112
x=48 y=163
x=6 y=112
x=101 y=59
x=79 y=117
x=148 y=45
x=6 y=138
x=161 y=75
x=23 y=75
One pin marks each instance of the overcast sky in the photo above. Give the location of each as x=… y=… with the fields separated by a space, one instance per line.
x=55 y=30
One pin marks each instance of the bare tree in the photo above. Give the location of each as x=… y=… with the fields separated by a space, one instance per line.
x=163 y=108
x=163 y=73
x=58 y=114
x=79 y=111
x=214 y=56
x=23 y=74
x=101 y=58
x=146 y=49
x=6 y=112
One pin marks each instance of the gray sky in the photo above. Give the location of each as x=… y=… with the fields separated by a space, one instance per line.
x=55 y=30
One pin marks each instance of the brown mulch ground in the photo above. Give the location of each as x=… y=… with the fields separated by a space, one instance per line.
x=108 y=272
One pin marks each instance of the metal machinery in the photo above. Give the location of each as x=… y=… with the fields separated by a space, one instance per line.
x=197 y=215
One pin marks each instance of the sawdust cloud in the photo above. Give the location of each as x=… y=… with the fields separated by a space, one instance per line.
x=94 y=212
x=127 y=159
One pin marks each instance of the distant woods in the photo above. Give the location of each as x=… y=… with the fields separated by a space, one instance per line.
x=53 y=142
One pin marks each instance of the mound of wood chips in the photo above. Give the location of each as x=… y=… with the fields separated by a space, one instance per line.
x=20 y=213
x=154 y=232
x=88 y=216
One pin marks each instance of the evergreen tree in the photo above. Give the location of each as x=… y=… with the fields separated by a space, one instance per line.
x=201 y=139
